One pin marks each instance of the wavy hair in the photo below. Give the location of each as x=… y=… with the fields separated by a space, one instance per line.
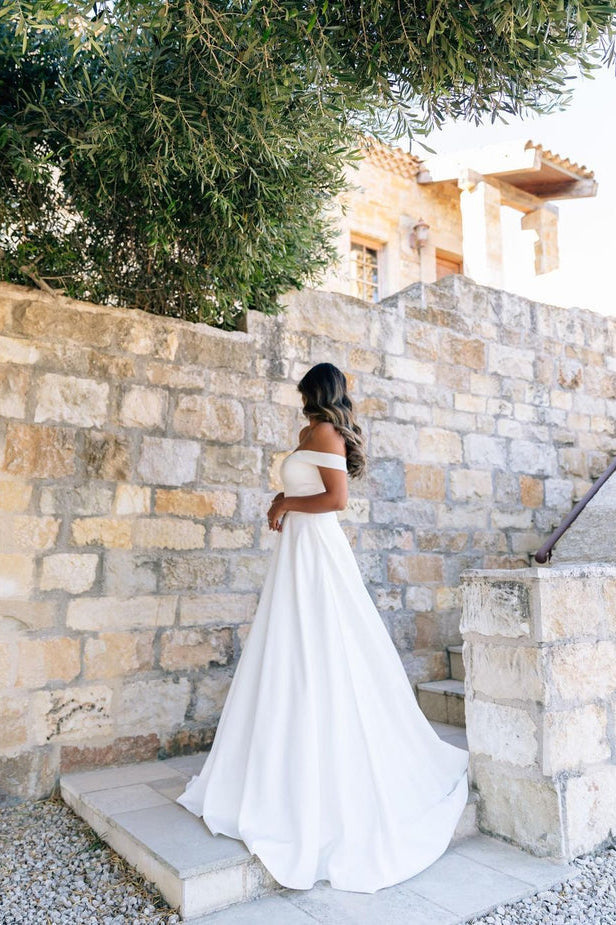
x=324 y=387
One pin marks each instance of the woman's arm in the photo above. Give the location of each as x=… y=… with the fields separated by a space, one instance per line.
x=334 y=498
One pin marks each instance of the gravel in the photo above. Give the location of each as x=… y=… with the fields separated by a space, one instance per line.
x=54 y=870
x=589 y=899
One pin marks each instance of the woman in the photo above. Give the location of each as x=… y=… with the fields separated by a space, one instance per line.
x=323 y=763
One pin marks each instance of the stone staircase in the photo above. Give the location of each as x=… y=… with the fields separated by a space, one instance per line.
x=443 y=701
x=133 y=809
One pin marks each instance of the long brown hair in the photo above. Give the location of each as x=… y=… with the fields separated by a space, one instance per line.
x=324 y=387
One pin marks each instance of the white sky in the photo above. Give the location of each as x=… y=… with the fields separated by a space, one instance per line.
x=585 y=132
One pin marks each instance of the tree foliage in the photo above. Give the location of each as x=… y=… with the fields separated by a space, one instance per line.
x=181 y=157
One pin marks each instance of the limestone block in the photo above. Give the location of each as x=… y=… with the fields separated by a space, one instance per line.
x=73 y=572
x=17 y=615
x=144 y=335
x=106 y=456
x=240 y=465
x=31 y=533
x=14 y=350
x=464 y=351
x=126 y=573
x=71 y=713
x=582 y=671
x=507 y=520
x=385 y=478
x=570 y=606
x=91 y=613
x=111 y=655
x=158 y=705
x=143 y=407
x=340 y=318
x=175 y=377
x=574 y=739
x=531 y=491
x=459 y=516
x=394 y=440
x=15 y=496
x=211 y=348
x=439 y=446
x=13 y=392
x=71 y=400
x=470 y=484
x=511 y=361
x=91 y=498
x=276 y=425
x=484 y=452
x=391 y=537
x=495 y=608
x=131 y=499
x=519 y=808
x=211 y=418
x=405 y=410
x=8 y=664
x=39 y=661
x=211 y=693
x=198 y=504
x=227 y=536
x=38 y=452
x=165 y=461
x=533 y=458
x=503 y=733
x=365 y=361
x=409 y=369
x=507 y=672
x=418 y=597
x=249 y=572
x=222 y=608
x=226 y=382
x=425 y=482
x=195 y=647
x=590 y=806
x=16 y=573
x=192 y=573
x=168 y=533
x=414 y=568
x=101 y=531
x=410 y=513
x=14 y=727
x=472 y=404
x=558 y=494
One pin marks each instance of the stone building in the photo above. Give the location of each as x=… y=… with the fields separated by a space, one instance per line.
x=459 y=197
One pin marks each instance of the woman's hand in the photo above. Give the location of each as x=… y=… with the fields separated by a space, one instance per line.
x=276 y=512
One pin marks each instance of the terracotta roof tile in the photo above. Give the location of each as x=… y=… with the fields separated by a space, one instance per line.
x=580 y=169
x=393 y=159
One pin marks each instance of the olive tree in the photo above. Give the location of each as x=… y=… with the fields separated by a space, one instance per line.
x=183 y=157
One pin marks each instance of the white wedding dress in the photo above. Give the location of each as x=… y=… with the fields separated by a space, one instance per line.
x=323 y=763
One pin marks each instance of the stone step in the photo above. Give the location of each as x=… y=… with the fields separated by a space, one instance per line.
x=442 y=701
x=133 y=809
x=456 y=663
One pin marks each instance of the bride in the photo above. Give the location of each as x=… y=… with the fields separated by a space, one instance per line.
x=323 y=763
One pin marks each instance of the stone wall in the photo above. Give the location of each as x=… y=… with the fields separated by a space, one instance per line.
x=138 y=456
x=540 y=658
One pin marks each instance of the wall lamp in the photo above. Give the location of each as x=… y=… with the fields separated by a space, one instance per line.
x=419 y=235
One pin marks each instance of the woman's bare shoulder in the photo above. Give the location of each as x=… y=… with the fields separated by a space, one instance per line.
x=326 y=439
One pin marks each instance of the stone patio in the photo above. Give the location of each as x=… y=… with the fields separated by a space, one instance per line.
x=215 y=878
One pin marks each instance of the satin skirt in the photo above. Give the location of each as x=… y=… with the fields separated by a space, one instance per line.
x=323 y=763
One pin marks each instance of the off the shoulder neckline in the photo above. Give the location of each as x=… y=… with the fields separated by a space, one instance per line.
x=319 y=453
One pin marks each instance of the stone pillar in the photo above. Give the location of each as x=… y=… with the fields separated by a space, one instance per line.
x=482 y=244
x=545 y=222
x=540 y=658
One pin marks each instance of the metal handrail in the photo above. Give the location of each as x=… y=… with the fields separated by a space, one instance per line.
x=542 y=555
